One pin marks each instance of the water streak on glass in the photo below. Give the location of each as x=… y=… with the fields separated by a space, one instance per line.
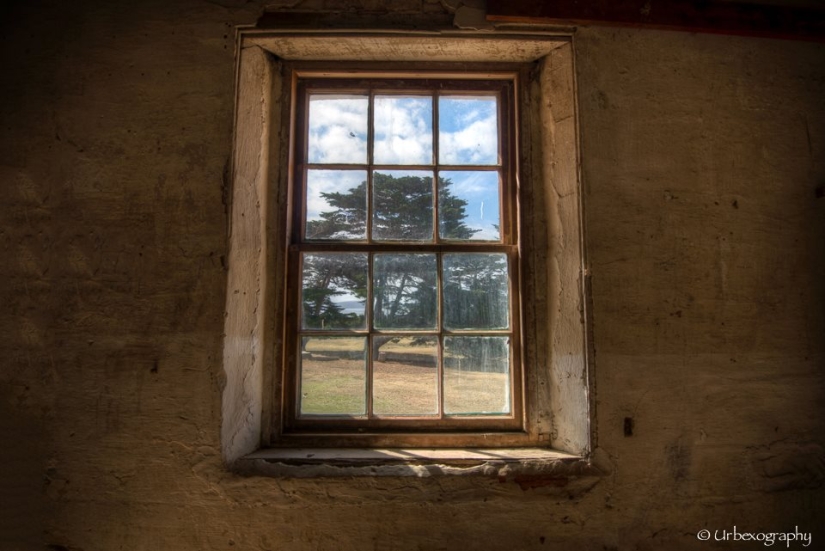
x=468 y=205
x=476 y=375
x=476 y=291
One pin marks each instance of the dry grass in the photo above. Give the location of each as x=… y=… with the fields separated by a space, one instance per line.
x=334 y=382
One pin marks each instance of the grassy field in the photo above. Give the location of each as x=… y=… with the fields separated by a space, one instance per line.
x=333 y=381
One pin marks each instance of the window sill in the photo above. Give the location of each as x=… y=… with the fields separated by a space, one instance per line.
x=519 y=464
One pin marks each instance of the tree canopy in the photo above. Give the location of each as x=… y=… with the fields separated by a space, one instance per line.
x=404 y=284
x=402 y=211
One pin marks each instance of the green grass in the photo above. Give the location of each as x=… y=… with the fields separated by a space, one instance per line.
x=336 y=386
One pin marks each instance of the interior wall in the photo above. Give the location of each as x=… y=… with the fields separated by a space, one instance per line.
x=703 y=170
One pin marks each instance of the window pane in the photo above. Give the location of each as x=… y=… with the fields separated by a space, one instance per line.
x=402 y=205
x=476 y=375
x=468 y=130
x=334 y=291
x=468 y=205
x=333 y=376
x=405 y=375
x=404 y=286
x=336 y=204
x=476 y=292
x=403 y=130
x=338 y=129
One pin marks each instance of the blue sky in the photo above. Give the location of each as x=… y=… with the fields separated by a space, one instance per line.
x=469 y=130
x=480 y=190
x=404 y=136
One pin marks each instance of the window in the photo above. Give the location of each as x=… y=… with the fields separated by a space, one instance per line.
x=403 y=264
x=338 y=271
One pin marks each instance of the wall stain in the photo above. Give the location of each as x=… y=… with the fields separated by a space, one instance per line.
x=678 y=461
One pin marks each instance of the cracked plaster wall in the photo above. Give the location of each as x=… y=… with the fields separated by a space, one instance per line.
x=703 y=175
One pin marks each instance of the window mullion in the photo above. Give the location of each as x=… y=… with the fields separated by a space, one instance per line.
x=371 y=255
x=370 y=336
x=370 y=159
x=440 y=326
x=435 y=167
x=437 y=240
x=302 y=166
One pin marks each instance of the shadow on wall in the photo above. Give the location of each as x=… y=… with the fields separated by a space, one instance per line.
x=22 y=468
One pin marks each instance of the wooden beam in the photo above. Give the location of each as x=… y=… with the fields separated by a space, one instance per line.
x=717 y=17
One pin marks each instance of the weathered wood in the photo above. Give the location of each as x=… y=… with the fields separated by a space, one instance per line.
x=565 y=344
x=527 y=467
x=408 y=455
x=244 y=322
x=735 y=18
x=429 y=47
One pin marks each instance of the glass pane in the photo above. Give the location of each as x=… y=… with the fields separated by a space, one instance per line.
x=337 y=129
x=403 y=130
x=334 y=291
x=468 y=130
x=405 y=375
x=336 y=204
x=476 y=291
x=402 y=205
x=468 y=205
x=333 y=376
x=404 y=289
x=476 y=375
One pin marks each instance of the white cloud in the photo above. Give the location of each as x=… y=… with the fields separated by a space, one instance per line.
x=467 y=183
x=338 y=130
x=403 y=130
x=486 y=233
x=476 y=144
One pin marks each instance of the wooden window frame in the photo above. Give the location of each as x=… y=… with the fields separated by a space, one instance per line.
x=513 y=429
x=553 y=272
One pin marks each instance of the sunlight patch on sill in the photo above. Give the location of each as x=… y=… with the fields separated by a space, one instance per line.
x=551 y=466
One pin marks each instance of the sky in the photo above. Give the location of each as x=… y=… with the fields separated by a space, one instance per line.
x=330 y=181
x=403 y=133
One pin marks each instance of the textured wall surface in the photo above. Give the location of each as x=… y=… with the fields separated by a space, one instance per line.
x=703 y=167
